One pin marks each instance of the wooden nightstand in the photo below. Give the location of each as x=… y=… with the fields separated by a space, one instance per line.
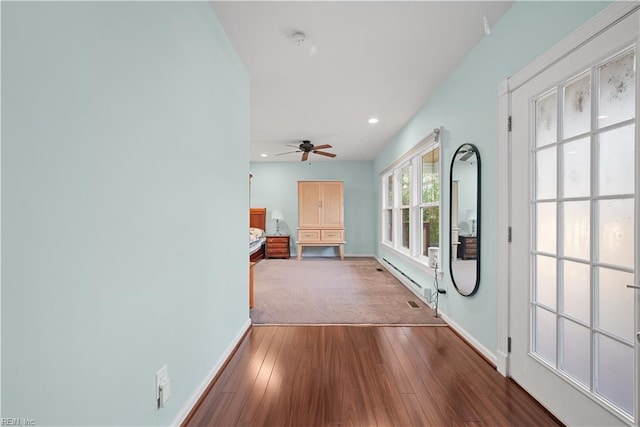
x=468 y=248
x=277 y=247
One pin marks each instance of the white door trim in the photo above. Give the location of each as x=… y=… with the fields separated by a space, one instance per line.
x=575 y=40
x=504 y=220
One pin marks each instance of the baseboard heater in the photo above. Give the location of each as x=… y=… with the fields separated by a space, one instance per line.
x=403 y=273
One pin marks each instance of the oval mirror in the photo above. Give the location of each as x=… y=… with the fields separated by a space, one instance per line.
x=464 y=233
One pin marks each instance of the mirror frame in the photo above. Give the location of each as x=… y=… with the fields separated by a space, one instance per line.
x=478 y=221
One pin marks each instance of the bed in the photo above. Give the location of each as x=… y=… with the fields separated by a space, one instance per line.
x=257 y=234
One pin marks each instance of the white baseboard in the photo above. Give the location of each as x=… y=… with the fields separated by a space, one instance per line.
x=502 y=364
x=471 y=340
x=294 y=255
x=188 y=406
x=419 y=292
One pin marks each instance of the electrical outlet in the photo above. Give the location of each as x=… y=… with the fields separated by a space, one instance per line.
x=163 y=386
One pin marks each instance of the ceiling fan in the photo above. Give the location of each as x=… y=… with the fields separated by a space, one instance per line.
x=307 y=147
x=464 y=154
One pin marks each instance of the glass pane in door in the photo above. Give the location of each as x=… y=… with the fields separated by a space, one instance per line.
x=577 y=229
x=617 y=89
x=577 y=107
x=545 y=335
x=576 y=290
x=576 y=351
x=613 y=379
x=616 y=231
x=546 y=281
x=615 y=303
x=546 y=173
x=546 y=227
x=576 y=176
x=546 y=120
x=616 y=154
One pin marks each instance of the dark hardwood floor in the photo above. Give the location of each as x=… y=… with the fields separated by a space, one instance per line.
x=362 y=376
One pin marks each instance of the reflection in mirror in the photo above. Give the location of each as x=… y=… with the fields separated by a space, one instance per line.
x=464 y=233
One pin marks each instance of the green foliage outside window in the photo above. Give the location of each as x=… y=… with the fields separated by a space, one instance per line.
x=431 y=216
x=406 y=188
x=431 y=194
x=430 y=188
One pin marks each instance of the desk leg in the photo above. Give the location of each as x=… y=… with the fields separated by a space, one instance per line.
x=341 y=249
x=299 y=252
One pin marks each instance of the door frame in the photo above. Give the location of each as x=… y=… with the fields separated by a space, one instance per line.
x=574 y=41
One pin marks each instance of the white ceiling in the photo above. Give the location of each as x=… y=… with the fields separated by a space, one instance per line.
x=359 y=60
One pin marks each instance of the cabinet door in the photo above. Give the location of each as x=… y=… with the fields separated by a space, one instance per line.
x=332 y=204
x=308 y=204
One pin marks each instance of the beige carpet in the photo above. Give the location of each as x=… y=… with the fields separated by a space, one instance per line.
x=330 y=291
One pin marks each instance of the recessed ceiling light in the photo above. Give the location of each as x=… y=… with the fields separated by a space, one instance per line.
x=263 y=155
x=373 y=121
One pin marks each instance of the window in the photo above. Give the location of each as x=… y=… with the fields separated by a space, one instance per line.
x=405 y=205
x=430 y=204
x=411 y=201
x=387 y=214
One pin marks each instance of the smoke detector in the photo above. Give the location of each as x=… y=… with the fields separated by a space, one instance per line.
x=298 y=38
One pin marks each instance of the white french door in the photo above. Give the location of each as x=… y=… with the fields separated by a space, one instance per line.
x=574 y=213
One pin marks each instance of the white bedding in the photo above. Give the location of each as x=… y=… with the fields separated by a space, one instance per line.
x=255 y=234
x=255 y=245
x=256 y=238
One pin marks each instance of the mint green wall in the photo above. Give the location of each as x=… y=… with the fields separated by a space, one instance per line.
x=466 y=105
x=275 y=186
x=124 y=168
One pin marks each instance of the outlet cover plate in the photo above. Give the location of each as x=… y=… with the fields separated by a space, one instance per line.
x=163 y=381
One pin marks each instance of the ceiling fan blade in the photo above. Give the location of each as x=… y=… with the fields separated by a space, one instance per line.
x=466 y=156
x=305 y=156
x=291 y=145
x=288 y=152
x=324 y=153
x=320 y=147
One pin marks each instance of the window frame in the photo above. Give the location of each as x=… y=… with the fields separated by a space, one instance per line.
x=432 y=204
x=387 y=209
x=412 y=158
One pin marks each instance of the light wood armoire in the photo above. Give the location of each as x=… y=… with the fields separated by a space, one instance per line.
x=321 y=215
